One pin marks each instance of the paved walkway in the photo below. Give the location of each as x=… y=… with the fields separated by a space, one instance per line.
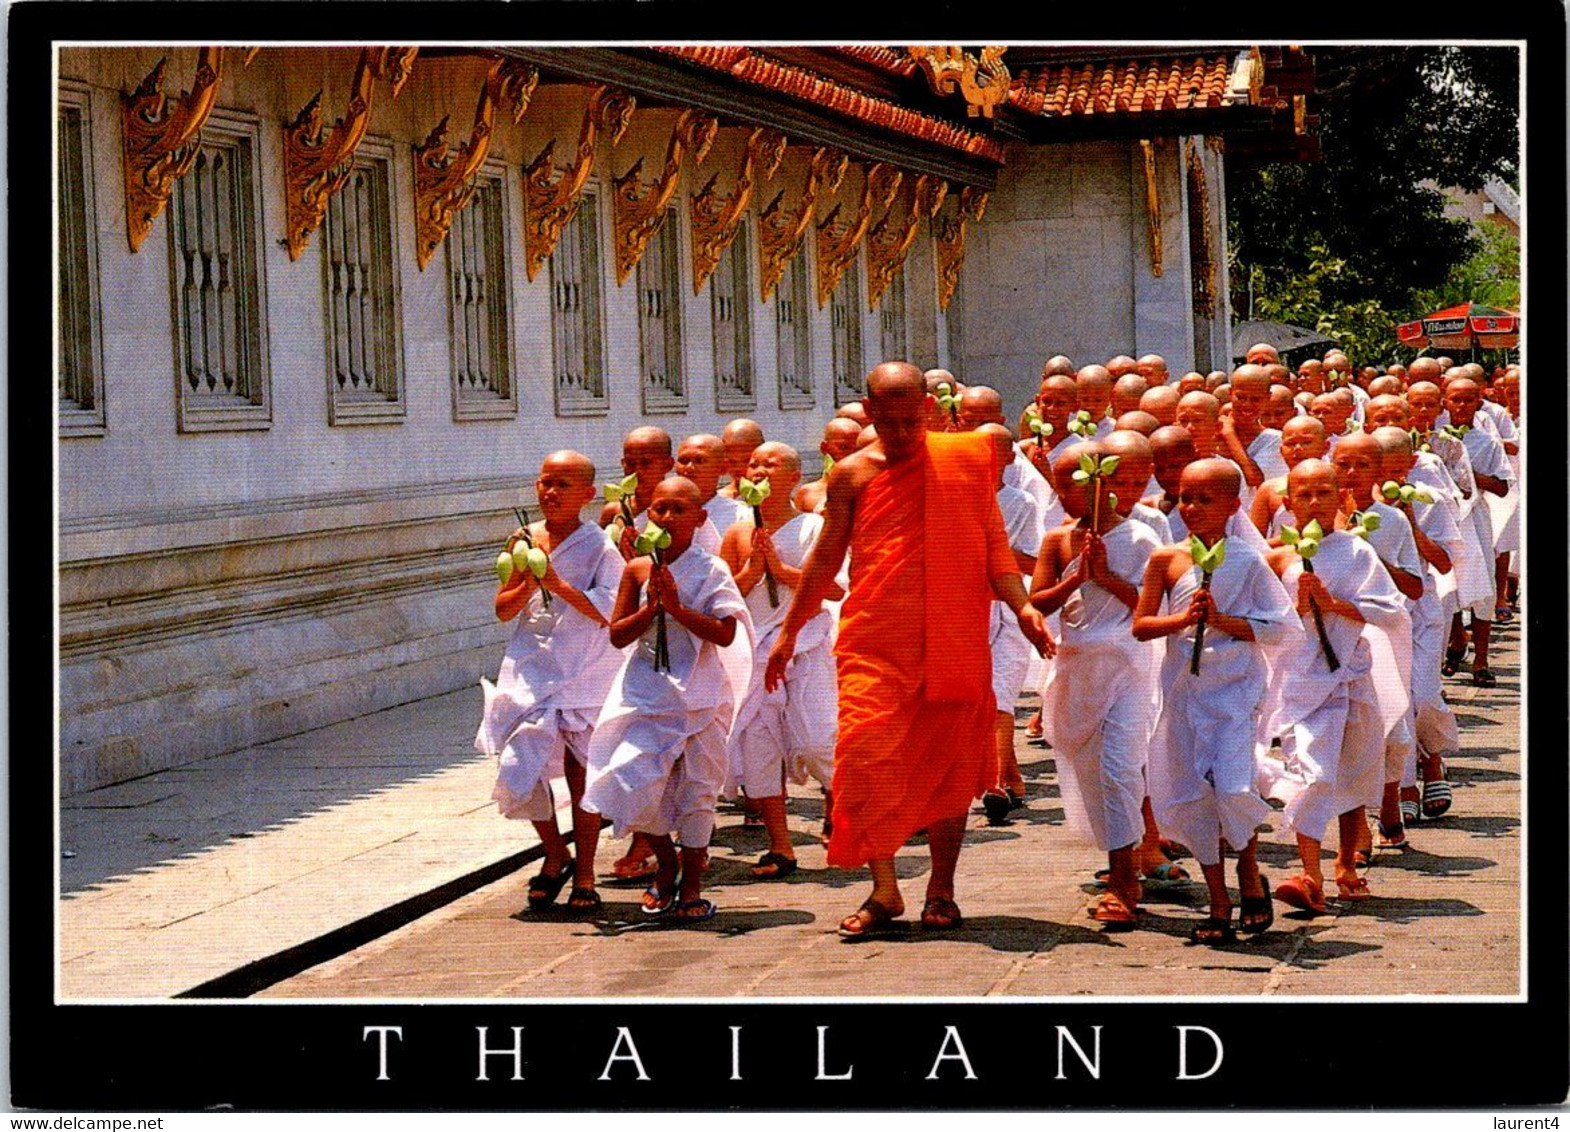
x=1445 y=919
x=185 y=876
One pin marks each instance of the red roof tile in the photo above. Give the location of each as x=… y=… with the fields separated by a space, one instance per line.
x=797 y=82
x=1138 y=86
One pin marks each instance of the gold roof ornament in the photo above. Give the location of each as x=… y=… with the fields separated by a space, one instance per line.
x=890 y=239
x=781 y=232
x=638 y=210
x=984 y=81
x=837 y=243
x=951 y=241
x=444 y=183
x=551 y=196
x=160 y=142
x=1152 y=206
x=317 y=166
x=716 y=219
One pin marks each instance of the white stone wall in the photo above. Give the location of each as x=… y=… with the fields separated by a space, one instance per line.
x=1061 y=264
x=223 y=588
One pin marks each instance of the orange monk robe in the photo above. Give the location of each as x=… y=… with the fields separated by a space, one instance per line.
x=916 y=707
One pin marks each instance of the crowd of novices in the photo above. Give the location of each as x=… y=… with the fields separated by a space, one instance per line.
x=1256 y=601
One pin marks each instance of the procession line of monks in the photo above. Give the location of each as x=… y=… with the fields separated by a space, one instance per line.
x=1199 y=646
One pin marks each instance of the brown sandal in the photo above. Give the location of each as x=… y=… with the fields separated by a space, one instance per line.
x=940 y=913
x=856 y=926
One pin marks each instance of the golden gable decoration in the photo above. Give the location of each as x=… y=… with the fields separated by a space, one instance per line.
x=781 y=232
x=550 y=197
x=637 y=210
x=716 y=219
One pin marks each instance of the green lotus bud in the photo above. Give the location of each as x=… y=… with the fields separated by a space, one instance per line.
x=537 y=561
x=1307 y=547
x=613 y=493
x=1391 y=490
x=1040 y=427
x=1109 y=464
x=828 y=464
x=1370 y=521
x=1196 y=548
x=1421 y=496
x=1087 y=464
x=1081 y=476
x=1112 y=500
x=504 y=567
x=1218 y=554
x=520 y=555
x=649 y=540
x=944 y=389
x=1289 y=536
x=1313 y=530
x=664 y=539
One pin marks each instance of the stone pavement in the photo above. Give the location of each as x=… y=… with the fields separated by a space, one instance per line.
x=1445 y=919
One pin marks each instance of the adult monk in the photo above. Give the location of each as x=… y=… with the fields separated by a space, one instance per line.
x=917 y=512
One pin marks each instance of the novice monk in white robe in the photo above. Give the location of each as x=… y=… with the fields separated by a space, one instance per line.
x=1359 y=463
x=1173 y=450
x=1431 y=731
x=1303 y=438
x=1201 y=766
x=790 y=731
x=657 y=759
x=554 y=677
x=1011 y=652
x=1333 y=723
x=1098 y=705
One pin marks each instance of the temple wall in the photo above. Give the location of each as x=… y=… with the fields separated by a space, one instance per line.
x=224 y=588
x=1062 y=263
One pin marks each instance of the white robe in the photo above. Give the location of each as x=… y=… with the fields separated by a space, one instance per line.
x=1098 y=706
x=1265 y=451
x=558 y=667
x=1011 y=651
x=1022 y=474
x=1432 y=723
x=1155 y=520
x=1239 y=527
x=1201 y=768
x=657 y=760
x=795 y=726
x=706 y=538
x=1333 y=724
x=725 y=512
x=1491 y=517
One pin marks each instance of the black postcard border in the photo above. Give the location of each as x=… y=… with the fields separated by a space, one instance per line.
x=1294 y=1054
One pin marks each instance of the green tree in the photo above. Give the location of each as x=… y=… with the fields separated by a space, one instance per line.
x=1359 y=220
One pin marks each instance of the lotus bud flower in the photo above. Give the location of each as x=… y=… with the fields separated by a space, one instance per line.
x=753 y=494
x=828 y=464
x=1112 y=500
x=1109 y=464
x=504 y=567
x=1080 y=423
x=1390 y=490
x=537 y=561
x=654 y=537
x=1364 y=523
x=617 y=490
x=1040 y=427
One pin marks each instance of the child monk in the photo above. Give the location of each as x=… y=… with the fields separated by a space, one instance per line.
x=1153 y=368
x=554 y=677
x=1201 y=765
x=790 y=730
x=1011 y=652
x=1200 y=414
x=839 y=441
x=1432 y=734
x=1126 y=392
x=1091 y=570
x=1332 y=722
x=1173 y=450
x=1244 y=438
x=1055 y=401
x=1359 y=463
x=1333 y=411
x=645 y=453
x=1303 y=438
x=1094 y=396
x=1279 y=408
x=1161 y=402
x=1138 y=421
x=1494 y=476
x=740 y=437
x=1131 y=482
x=980 y=405
x=703 y=459
x=657 y=759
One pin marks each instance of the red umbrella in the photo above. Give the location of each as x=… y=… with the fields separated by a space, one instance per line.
x=1467 y=326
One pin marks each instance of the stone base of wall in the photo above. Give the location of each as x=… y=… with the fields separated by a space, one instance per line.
x=192 y=635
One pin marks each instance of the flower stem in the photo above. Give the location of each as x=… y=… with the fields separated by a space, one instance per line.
x=662 y=654
x=1319 y=623
x=1199 y=629
x=768 y=575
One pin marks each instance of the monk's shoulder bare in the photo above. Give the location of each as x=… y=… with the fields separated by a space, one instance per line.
x=608 y=514
x=1172 y=561
x=848 y=477
x=1280 y=558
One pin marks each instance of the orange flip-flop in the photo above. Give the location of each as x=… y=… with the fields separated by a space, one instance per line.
x=1114 y=913
x=1304 y=893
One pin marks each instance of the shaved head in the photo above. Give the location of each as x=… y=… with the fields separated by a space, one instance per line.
x=894 y=381
x=1262 y=353
x=1153 y=368
x=1252 y=376
x=1057 y=364
x=679 y=487
x=866 y=436
x=1002 y=443
x=1138 y=421
x=1161 y=402
x=1223 y=473
x=648 y=436
x=1120 y=365
x=854 y=411
x=1127 y=391
x=1392 y=440
x=979 y=405
x=742 y=431
x=574 y=464
x=1387 y=384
